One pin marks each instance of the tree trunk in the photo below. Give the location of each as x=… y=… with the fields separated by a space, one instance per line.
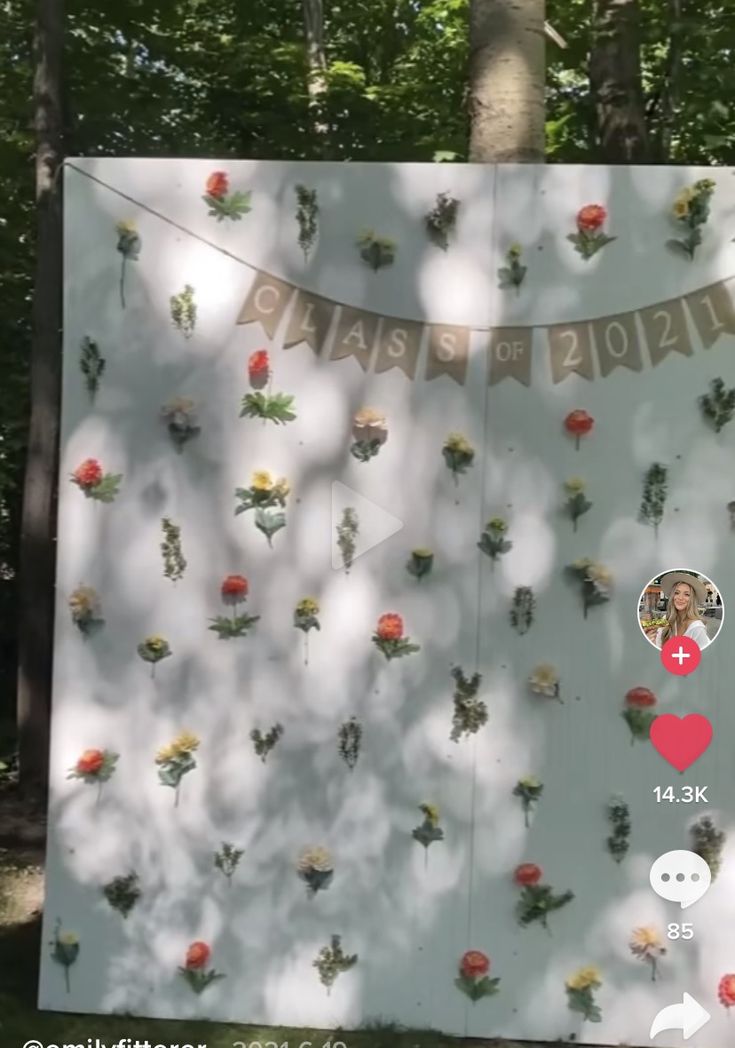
x=615 y=83
x=669 y=94
x=37 y=542
x=316 y=61
x=507 y=81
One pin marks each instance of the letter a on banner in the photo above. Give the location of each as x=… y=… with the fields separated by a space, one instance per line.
x=355 y=335
x=571 y=351
x=266 y=302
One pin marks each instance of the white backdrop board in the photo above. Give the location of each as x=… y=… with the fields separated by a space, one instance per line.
x=406 y=913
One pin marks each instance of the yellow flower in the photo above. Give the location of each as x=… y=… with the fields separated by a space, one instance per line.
x=646 y=941
x=585 y=978
x=369 y=417
x=431 y=812
x=126 y=227
x=185 y=742
x=575 y=485
x=456 y=442
x=497 y=524
x=262 y=480
x=315 y=858
x=308 y=606
x=600 y=574
x=422 y=552
x=530 y=782
x=514 y=251
x=165 y=754
x=281 y=487
x=184 y=405
x=67 y=939
x=155 y=643
x=583 y=564
x=545 y=680
x=83 y=601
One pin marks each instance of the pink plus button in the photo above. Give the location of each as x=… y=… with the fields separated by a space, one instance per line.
x=680 y=655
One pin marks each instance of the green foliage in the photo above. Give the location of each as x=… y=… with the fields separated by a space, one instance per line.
x=275 y=407
x=307 y=215
x=184 y=311
x=91 y=364
x=654 y=495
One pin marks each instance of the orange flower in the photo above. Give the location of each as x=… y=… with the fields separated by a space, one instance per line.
x=258 y=364
x=473 y=964
x=90 y=762
x=218 y=185
x=390 y=626
x=197 y=956
x=640 y=697
x=235 y=587
x=591 y=218
x=726 y=990
x=578 y=423
x=528 y=873
x=89 y=474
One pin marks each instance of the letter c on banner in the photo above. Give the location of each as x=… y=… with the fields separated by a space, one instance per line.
x=258 y=300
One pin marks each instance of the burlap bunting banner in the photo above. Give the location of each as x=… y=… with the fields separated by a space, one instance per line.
x=510 y=355
x=449 y=351
x=584 y=347
x=266 y=302
x=398 y=345
x=310 y=321
x=355 y=335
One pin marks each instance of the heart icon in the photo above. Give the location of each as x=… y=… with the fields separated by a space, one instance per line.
x=681 y=740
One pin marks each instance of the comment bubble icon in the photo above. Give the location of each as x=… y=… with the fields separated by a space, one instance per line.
x=680 y=876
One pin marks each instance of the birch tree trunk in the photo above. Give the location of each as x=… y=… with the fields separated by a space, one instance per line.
x=615 y=83
x=316 y=61
x=507 y=79
x=38 y=524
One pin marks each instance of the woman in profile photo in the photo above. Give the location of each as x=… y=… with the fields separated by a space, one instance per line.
x=685 y=593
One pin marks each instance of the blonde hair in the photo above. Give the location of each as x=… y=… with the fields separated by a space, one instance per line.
x=677 y=622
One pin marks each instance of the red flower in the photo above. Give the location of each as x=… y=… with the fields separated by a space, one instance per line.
x=390 y=626
x=640 y=697
x=218 y=185
x=726 y=990
x=89 y=474
x=258 y=364
x=197 y=955
x=235 y=587
x=90 y=762
x=578 y=423
x=591 y=218
x=528 y=873
x=473 y=964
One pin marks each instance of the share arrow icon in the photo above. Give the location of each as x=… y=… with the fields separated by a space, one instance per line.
x=689 y=1017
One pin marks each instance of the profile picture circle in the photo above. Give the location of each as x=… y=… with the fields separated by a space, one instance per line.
x=680 y=603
